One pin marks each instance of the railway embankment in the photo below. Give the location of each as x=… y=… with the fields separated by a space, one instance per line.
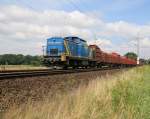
x=124 y=94
x=19 y=90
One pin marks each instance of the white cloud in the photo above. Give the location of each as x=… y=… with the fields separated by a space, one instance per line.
x=145 y=42
x=26 y=30
x=101 y=42
x=29 y=27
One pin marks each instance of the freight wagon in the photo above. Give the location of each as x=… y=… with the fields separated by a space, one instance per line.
x=110 y=59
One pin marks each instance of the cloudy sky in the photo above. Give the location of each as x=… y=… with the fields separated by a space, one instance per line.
x=114 y=25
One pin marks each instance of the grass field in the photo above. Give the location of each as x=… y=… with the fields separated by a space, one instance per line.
x=122 y=96
x=19 y=67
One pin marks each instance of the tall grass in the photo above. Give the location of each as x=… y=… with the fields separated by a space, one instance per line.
x=132 y=96
x=123 y=96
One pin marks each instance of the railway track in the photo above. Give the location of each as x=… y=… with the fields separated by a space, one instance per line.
x=42 y=72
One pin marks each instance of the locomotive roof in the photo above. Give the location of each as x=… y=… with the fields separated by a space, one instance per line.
x=74 y=37
x=54 y=37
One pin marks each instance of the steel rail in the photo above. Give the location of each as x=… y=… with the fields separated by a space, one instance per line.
x=33 y=73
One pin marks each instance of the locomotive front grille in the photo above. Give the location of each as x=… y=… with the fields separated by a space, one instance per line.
x=54 y=51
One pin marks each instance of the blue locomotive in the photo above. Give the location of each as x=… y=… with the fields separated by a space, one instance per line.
x=67 y=51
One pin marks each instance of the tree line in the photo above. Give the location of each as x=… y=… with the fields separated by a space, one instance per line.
x=19 y=59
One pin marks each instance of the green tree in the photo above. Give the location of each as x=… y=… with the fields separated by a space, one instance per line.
x=13 y=59
x=131 y=55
